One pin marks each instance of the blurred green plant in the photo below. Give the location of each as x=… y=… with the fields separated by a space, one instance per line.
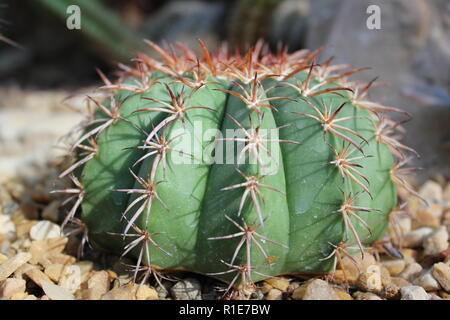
x=101 y=25
x=249 y=21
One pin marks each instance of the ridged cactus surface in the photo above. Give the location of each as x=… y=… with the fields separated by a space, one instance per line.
x=311 y=169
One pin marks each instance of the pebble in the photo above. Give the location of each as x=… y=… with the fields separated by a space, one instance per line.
x=45 y=230
x=186 y=289
x=342 y=294
x=86 y=268
x=278 y=283
x=436 y=241
x=441 y=272
x=7 y=227
x=70 y=278
x=394 y=266
x=9 y=266
x=400 y=282
x=426 y=280
x=390 y=290
x=125 y=292
x=369 y=281
x=415 y=238
x=315 y=290
x=352 y=271
x=411 y=270
x=37 y=276
x=266 y=287
x=11 y=286
x=429 y=216
x=42 y=249
x=55 y=292
x=358 y=295
x=144 y=292
x=431 y=190
x=413 y=293
x=54 y=271
x=274 y=294
x=409 y=255
x=98 y=284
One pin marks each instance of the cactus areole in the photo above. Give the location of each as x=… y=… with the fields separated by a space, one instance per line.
x=241 y=167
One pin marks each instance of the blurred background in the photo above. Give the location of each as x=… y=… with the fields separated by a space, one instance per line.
x=42 y=60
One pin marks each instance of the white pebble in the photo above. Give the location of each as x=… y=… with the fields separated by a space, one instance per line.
x=55 y=292
x=45 y=230
x=413 y=293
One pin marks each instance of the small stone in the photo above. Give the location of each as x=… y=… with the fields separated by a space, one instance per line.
x=51 y=212
x=144 y=292
x=436 y=241
x=70 y=278
x=413 y=293
x=86 y=268
x=11 y=286
x=55 y=292
x=429 y=216
x=23 y=227
x=99 y=284
x=266 y=287
x=7 y=227
x=369 y=281
x=293 y=286
x=278 y=283
x=434 y=296
x=274 y=294
x=54 y=271
x=125 y=292
x=61 y=258
x=426 y=280
x=299 y=292
x=9 y=266
x=446 y=194
x=187 y=289
x=404 y=224
x=163 y=290
x=411 y=271
x=400 y=282
x=390 y=290
x=441 y=272
x=352 y=271
x=358 y=295
x=431 y=190
x=19 y=296
x=394 y=266
x=45 y=230
x=37 y=276
x=409 y=255
x=415 y=238
x=342 y=294
x=319 y=290
x=3 y=258
x=42 y=249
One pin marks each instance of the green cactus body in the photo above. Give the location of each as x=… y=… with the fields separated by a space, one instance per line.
x=318 y=169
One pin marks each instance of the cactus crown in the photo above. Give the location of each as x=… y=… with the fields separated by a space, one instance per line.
x=309 y=169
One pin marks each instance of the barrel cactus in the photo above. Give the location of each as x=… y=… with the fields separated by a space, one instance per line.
x=241 y=167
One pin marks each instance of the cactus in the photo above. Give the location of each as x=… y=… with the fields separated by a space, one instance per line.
x=314 y=172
